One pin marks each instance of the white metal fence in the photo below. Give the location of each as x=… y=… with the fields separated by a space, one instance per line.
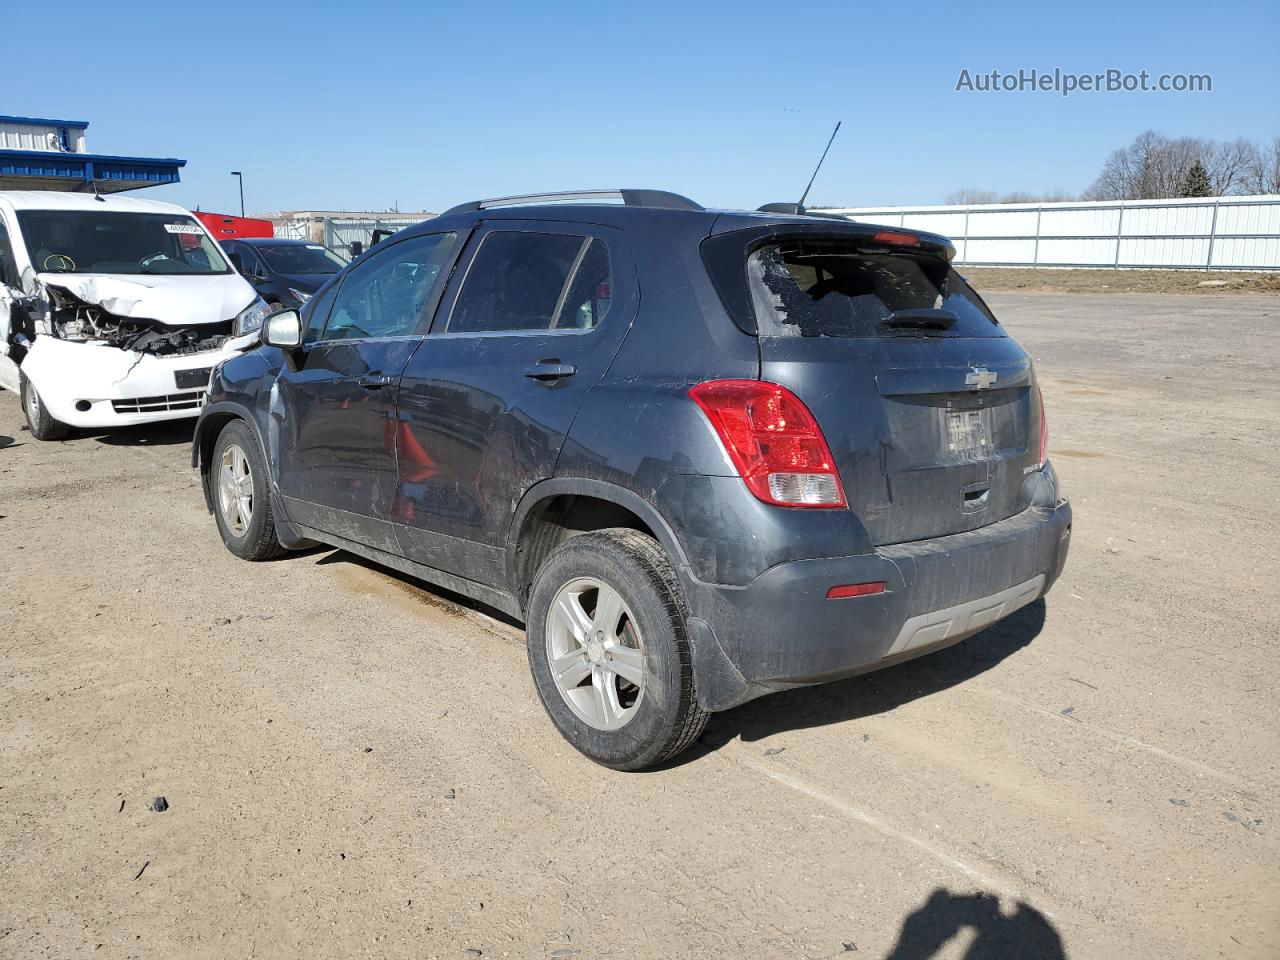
x=341 y=234
x=292 y=229
x=1209 y=233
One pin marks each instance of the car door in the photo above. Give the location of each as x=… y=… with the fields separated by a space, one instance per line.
x=333 y=407
x=530 y=322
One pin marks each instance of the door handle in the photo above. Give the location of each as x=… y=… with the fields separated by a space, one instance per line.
x=547 y=370
x=374 y=381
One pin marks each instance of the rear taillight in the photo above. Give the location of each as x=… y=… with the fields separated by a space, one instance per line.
x=773 y=441
x=1044 y=430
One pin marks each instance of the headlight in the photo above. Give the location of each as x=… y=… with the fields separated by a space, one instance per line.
x=300 y=295
x=250 y=318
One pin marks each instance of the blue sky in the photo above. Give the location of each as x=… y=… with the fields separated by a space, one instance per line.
x=424 y=104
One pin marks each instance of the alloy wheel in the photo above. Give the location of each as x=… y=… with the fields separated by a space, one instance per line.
x=235 y=489
x=595 y=653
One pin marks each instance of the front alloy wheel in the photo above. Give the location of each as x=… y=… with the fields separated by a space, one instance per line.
x=235 y=489
x=237 y=482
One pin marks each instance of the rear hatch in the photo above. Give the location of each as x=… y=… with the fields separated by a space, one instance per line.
x=929 y=408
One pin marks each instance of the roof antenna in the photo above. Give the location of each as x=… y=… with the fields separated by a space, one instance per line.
x=800 y=205
x=97 y=196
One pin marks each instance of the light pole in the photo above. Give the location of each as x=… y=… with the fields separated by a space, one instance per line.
x=237 y=173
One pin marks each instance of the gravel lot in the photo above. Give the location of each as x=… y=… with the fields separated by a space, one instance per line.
x=357 y=766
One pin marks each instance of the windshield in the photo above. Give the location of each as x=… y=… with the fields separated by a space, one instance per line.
x=824 y=288
x=300 y=258
x=89 y=241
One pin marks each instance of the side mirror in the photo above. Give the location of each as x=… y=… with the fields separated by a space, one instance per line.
x=283 y=329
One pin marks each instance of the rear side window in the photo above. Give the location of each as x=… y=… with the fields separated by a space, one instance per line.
x=826 y=288
x=590 y=292
x=521 y=282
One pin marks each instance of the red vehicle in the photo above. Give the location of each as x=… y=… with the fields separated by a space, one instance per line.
x=224 y=226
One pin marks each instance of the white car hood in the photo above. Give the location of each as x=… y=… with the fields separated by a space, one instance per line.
x=174 y=300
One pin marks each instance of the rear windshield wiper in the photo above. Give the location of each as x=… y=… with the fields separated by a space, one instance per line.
x=927 y=318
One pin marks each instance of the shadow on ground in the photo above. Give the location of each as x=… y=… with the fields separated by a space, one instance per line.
x=874 y=693
x=429 y=594
x=1024 y=934
x=819 y=706
x=165 y=434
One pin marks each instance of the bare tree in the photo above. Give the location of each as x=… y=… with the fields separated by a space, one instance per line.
x=968 y=195
x=1126 y=173
x=1155 y=166
x=1263 y=173
x=1051 y=196
x=1228 y=165
x=1152 y=166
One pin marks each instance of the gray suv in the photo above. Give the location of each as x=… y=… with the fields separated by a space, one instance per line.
x=702 y=455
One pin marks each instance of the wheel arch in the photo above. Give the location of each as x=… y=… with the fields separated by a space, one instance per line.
x=553 y=510
x=213 y=419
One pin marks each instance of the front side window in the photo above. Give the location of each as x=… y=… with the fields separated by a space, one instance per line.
x=89 y=241
x=8 y=265
x=249 y=264
x=386 y=295
x=824 y=288
x=524 y=282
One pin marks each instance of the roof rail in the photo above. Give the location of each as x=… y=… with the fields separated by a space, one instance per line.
x=630 y=198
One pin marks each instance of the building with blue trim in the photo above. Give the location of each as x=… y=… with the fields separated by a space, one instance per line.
x=37 y=153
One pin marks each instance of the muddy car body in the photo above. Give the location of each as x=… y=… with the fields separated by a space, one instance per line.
x=113 y=310
x=703 y=455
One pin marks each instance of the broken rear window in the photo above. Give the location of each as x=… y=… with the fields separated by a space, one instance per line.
x=83 y=241
x=831 y=288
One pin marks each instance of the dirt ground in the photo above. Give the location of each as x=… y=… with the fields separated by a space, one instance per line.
x=356 y=766
x=1122 y=281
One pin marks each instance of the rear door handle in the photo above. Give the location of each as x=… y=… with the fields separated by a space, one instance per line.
x=374 y=381
x=546 y=370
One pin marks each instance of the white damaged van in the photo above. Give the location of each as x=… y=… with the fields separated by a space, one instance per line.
x=113 y=310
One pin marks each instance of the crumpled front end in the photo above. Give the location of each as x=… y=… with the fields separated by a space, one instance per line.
x=92 y=384
x=98 y=355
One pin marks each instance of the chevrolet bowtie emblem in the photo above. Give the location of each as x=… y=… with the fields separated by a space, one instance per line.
x=981 y=378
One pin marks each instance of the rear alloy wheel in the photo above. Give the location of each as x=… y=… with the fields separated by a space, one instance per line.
x=241 y=499
x=40 y=422
x=609 y=651
x=595 y=653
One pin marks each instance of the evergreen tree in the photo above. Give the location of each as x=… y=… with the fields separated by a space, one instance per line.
x=1195 y=182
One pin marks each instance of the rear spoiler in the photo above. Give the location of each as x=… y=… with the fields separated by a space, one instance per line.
x=796 y=210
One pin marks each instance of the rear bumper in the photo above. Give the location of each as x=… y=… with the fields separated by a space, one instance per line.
x=781 y=631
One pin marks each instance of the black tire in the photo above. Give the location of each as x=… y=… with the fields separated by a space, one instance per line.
x=667 y=717
x=257 y=540
x=39 y=422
